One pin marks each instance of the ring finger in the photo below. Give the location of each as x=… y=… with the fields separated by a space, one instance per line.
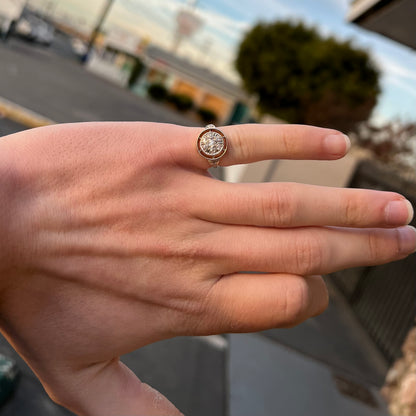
x=309 y=250
x=296 y=205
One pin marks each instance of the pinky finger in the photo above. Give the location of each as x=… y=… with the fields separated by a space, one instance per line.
x=245 y=302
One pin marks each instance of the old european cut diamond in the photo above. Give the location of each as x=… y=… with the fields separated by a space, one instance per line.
x=212 y=143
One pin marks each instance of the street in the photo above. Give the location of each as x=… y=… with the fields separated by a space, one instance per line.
x=51 y=82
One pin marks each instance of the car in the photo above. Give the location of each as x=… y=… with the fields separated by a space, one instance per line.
x=35 y=29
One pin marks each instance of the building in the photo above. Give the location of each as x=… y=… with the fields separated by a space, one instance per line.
x=394 y=19
x=207 y=89
x=10 y=11
x=118 y=54
x=115 y=56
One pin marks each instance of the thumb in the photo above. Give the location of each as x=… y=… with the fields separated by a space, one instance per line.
x=112 y=389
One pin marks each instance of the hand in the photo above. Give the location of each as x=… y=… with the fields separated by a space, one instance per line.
x=114 y=236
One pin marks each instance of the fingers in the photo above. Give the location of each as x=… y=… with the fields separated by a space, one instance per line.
x=295 y=205
x=312 y=250
x=253 y=142
x=256 y=302
x=110 y=389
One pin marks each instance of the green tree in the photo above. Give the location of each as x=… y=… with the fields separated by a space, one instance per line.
x=302 y=77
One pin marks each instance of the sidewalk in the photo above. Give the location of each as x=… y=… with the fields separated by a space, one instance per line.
x=268 y=379
x=336 y=339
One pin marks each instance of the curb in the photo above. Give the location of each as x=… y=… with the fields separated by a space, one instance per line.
x=22 y=115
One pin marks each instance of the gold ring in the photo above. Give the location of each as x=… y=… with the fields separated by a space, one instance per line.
x=212 y=144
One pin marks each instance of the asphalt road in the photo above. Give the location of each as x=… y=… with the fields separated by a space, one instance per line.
x=51 y=82
x=9 y=127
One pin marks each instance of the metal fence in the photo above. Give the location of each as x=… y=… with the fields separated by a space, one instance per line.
x=383 y=297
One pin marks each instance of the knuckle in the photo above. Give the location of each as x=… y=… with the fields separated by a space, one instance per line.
x=295 y=303
x=308 y=256
x=287 y=143
x=192 y=250
x=352 y=212
x=278 y=207
x=374 y=247
x=242 y=147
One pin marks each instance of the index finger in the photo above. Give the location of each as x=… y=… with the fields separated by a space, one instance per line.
x=253 y=142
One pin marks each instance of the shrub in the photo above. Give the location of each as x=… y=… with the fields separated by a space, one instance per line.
x=207 y=115
x=182 y=102
x=157 y=91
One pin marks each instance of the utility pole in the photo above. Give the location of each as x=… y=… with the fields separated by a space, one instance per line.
x=187 y=23
x=97 y=28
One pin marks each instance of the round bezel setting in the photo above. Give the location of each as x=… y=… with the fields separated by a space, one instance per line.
x=212 y=144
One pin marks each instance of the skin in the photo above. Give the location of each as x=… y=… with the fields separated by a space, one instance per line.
x=114 y=236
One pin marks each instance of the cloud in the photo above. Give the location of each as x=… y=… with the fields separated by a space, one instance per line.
x=391 y=68
x=405 y=86
x=342 y=5
x=157 y=20
x=396 y=74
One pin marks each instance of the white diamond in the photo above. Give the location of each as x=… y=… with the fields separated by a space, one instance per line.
x=212 y=143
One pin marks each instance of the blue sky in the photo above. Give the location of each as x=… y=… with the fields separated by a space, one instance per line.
x=225 y=22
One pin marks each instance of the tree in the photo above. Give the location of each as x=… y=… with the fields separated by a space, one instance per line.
x=392 y=143
x=302 y=77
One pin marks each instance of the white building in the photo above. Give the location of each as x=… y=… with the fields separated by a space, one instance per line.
x=10 y=10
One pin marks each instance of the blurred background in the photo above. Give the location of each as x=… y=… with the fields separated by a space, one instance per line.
x=344 y=64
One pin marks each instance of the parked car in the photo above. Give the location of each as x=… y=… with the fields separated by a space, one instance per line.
x=35 y=29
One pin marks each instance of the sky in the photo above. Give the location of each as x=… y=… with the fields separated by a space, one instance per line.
x=225 y=22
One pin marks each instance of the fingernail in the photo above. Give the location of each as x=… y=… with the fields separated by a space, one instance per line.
x=399 y=212
x=407 y=239
x=337 y=144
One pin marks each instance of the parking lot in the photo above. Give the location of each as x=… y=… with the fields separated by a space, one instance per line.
x=53 y=83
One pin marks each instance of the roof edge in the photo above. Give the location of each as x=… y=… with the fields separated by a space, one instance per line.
x=362 y=9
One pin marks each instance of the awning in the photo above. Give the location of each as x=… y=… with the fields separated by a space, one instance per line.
x=395 y=19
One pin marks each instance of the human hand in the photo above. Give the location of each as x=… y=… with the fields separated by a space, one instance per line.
x=114 y=236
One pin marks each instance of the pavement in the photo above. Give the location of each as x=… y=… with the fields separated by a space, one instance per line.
x=278 y=372
x=22 y=116
x=286 y=383
x=8 y=126
x=189 y=371
x=60 y=89
x=335 y=338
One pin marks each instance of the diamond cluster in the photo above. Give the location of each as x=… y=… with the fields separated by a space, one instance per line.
x=212 y=143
